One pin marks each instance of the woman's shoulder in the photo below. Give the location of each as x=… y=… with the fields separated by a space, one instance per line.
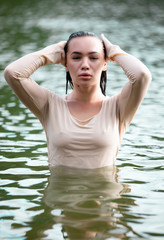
x=111 y=100
x=110 y=105
x=55 y=98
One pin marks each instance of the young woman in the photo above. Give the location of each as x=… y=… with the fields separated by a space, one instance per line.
x=84 y=129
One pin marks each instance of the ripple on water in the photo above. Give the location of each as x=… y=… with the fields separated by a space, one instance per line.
x=38 y=203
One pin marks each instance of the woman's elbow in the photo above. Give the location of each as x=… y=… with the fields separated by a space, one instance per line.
x=146 y=76
x=9 y=74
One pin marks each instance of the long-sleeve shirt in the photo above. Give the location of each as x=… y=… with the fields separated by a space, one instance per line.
x=91 y=145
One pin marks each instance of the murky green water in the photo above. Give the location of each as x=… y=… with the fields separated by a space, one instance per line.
x=59 y=203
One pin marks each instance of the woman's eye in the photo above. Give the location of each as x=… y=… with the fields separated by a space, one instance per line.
x=93 y=58
x=76 y=58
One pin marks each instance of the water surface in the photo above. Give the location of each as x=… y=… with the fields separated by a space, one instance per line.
x=38 y=202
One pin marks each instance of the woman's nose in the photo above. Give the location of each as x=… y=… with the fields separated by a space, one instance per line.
x=85 y=64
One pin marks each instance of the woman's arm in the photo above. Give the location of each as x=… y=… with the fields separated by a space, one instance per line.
x=139 y=79
x=135 y=90
x=18 y=73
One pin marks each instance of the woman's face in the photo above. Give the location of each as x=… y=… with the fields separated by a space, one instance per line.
x=85 y=61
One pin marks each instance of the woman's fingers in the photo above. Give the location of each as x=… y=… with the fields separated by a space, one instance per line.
x=108 y=46
x=107 y=43
x=62 y=45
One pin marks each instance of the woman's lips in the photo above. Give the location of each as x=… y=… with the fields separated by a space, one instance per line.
x=85 y=75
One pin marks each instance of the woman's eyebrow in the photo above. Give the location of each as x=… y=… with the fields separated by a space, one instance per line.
x=76 y=53
x=94 y=52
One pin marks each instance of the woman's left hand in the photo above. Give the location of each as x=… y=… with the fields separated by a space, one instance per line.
x=111 y=49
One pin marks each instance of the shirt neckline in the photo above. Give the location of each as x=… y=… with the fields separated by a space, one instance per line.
x=89 y=120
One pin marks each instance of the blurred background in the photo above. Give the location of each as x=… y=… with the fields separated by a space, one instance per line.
x=137 y=26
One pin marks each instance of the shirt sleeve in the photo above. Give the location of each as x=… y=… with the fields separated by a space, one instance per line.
x=134 y=91
x=17 y=75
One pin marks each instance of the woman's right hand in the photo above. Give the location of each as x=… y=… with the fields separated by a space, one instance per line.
x=54 y=53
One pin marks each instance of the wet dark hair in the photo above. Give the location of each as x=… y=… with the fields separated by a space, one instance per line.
x=103 y=74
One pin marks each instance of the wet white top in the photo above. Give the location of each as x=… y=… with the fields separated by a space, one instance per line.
x=91 y=145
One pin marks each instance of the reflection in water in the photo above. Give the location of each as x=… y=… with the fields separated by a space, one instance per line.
x=87 y=203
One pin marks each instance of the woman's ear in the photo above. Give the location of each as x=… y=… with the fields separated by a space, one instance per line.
x=105 y=66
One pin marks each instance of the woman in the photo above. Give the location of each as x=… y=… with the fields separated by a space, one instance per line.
x=85 y=128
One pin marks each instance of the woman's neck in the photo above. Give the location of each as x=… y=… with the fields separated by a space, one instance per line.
x=84 y=96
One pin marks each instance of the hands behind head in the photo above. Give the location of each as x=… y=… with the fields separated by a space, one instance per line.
x=62 y=52
x=111 y=50
x=55 y=53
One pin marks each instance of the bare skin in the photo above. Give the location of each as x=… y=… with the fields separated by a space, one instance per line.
x=85 y=62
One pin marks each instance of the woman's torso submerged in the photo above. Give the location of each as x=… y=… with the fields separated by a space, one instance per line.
x=70 y=143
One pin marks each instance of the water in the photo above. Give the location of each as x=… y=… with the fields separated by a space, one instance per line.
x=41 y=203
